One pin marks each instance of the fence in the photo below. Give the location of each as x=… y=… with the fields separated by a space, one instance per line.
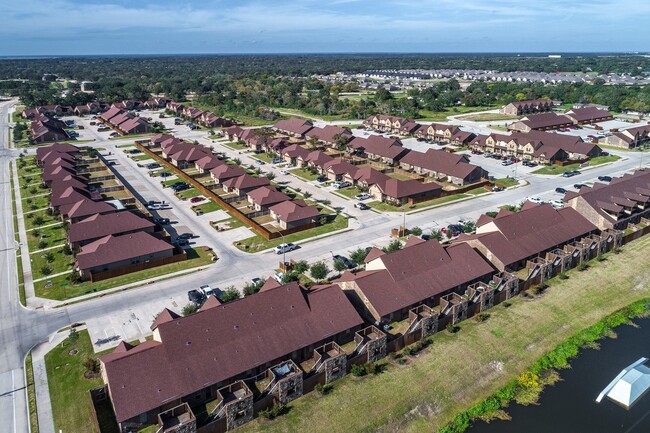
x=99 y=276
x=259 y=229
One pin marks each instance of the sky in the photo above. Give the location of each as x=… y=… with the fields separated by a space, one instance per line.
x=77 y=27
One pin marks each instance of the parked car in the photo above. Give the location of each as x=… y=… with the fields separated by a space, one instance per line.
x=507 y=162
x=284 y=248
x=207 y=290
x=579 y=185
x=161 y=221
x=197 y=199
x=180 y=188
x=181 y=242
x=362 y=196
x=259 y=162
x=605 y=178
x=153 y=165
x=347 y=262
x=278 y=276
x=497 y=189
x=165 y=174
x=185 y=236
x=560 y=190
x=276 y=160
x=557 y=203
x=361 y=205
x=198 y=297
x=285 y=172
x=568 y=174
x=535 y=200
x=155 y=206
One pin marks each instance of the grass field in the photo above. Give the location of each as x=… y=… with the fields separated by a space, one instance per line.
x=62 y=289
x=506 y=182
x=258 y=243
x=208 y=206
x=455 y=372
x=488 y=117
x=60 y=263
x=54 y=235
x=441 y=116
x=71 y=406
x=556 y=169
x=349 y=192
x=304 y=174
x=385 y=207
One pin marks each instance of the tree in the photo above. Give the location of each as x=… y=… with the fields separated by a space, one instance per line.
x=73 y=335
x=318 y=271
x=393 y=246
x=306 y=194
x=288 y=277
x=417 y=231
x=270 y=176
x=230 y=294
x=339 y=266
x=301 y=267
x=49 y=257
x=46 y=270
x=41 y=244
x=237 y=161
x=436 y=234
x=38 y=220
x=189 y=309
x=469 y=226
x=358 y=256
x=91 y=365
x=252 y=288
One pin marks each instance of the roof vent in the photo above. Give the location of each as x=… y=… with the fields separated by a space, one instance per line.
x=188 y=343
x=236 y=327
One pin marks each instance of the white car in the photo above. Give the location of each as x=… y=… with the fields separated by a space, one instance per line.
x=278 y=276
x=284 y=248
x=557 y=203
x=535 y=200
x=285 y=172
x=362 y=196
x=207 y=290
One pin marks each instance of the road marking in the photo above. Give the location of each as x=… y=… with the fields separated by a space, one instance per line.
x=13 y=386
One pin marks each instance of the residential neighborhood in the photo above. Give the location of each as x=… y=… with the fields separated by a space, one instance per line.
x=272 y=243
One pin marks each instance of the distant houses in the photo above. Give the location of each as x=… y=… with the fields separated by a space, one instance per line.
x=523 y=108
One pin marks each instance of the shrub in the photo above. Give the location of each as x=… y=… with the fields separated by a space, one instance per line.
x=563 y=276
x=358 y=256
x=318 y=271
x=74 y=277
x=46 y=270
x=38 y=220
x=601 y=258
x=394 y=245
x=91 y=365
x=49 y=257
x=189 y=309
x=301 y=267
x=358 y=370
x=67 y=250
x=416 y=231
x=41 y=244
x=73 y=335
x=481 y=317
x=339 y=266
x=583 y=266
x=408 y=351
x=323 y=389
x=452 y=329
x=33 y=190
x=274 y=411
x=230 y=294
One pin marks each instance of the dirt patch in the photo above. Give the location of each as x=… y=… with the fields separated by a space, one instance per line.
x=73 y=352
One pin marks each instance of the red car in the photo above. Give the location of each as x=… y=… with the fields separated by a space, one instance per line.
x=196 y=199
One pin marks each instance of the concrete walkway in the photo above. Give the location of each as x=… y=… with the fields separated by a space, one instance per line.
x=24 y=249
x=43 y=402
x=53 y=276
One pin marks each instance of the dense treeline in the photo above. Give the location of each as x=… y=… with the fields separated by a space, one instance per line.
x=249 y=85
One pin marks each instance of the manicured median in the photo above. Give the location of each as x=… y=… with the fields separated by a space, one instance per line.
x=459 y=370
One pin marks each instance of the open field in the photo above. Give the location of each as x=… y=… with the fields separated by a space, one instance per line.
x=258 y=243
x=62 y=289
x=447 y=378
x=487 y=117
x=506 y=182
x=557 y=169
x=304 y=174
x=441 y=116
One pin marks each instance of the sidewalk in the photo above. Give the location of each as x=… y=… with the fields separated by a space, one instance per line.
x=43 y=403
x=24 y=249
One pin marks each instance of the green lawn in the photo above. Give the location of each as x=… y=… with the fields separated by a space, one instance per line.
x=488 y=117
x=556 y=169
x=399 y=176
x=36 y=202
x=61 y=262
x=31 y=394
x=189 y=193
x=385 y=207
x=62 y=289
x=141 y=157
x=455 y=372
x=231 y=223
x=234 y=145
x=477 y=191
x=258 y=243
x=54 y=235
x=31 y=219
x=172 y=181
x=349 y=192
x=441 y=116
x=207 y=207
x=506 y=182
x=264 y=157
x=304 y=174
x=71 y=406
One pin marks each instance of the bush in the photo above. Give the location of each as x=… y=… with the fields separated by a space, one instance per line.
x=74 y=277
x=601 y=258
x=274 y=411
x=230 y=294
x=38 y=220
x=323 y=389
x=301 y=267
x=46 y=270
x=339 y=266
x=318 y=271
x=41 y=244
x=416 y=231
x=452 y=329
x=91 y=365
x=408 y=351
x=358 y=370
x=358 y=256
x=481 y=317
x=49 y=257
x=393 y=246
x=67 y=250
x=583 y=266
x=563 y=276
x=73 y=335
x=189 y=309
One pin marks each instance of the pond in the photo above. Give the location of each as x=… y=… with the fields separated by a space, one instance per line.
x=569 y=406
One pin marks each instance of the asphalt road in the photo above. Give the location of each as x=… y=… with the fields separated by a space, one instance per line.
x=21 y=329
